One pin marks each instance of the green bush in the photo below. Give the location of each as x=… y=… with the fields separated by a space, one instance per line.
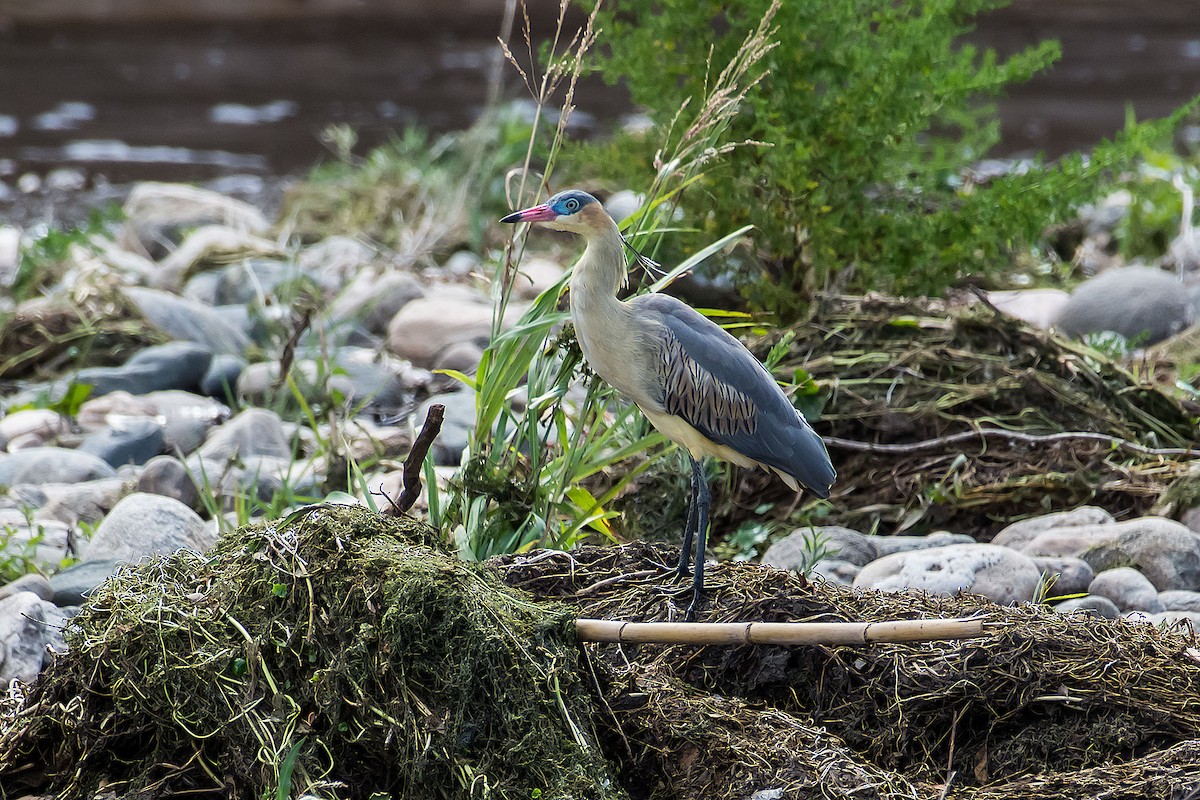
x=868 y=114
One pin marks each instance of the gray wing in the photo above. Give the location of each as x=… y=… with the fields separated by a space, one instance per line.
x=711 y=381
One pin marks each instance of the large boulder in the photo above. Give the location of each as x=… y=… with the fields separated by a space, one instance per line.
x=1143 y=304
x=998 y=573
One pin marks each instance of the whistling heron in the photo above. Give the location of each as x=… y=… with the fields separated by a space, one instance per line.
x=697 y=384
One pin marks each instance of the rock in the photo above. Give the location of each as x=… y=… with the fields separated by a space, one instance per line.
x=32 y=539
x=10 y=254
x=359 y=376
x=836 y=571
x=33 y=426
x=1143 y=304
x=535 y=276
x=254 y=432
x=202 y=288
x=221 y=379
x=1175 y=619
x=998 y=573
x=28 y=625
x=887 y=545
x=425 y=327
x=209 y=246
x=254 y=477
x=185 y=418
x=87 y=502
x=1071 y=575
x=1180 y=600
x=461 y=264
x=39 y=465
x=1038 y=307
x=71 y=585
x=175 y=365
x=794 y=551
x=33 y=582
x=1163 y=550
x=155 y=214
x=135 y=440
x=188 y=320
x=1073 y=541
x=373 y=300
x=251 y=281
x=169 y=477
x=457 y=424
x=624 y=204
x=335 y=259
x=462 y=357
x=1099 y=606
x=147 y=524
x=1127 y=588
x=1020 y=533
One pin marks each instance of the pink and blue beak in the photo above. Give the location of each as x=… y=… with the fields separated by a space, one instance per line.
x=542 y=213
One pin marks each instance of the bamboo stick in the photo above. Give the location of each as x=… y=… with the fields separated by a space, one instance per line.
x=913 y=630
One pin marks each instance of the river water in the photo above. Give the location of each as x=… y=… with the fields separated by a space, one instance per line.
x=199 y=101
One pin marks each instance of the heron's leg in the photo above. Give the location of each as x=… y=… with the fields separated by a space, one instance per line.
x=690 y=528
x=703 y=501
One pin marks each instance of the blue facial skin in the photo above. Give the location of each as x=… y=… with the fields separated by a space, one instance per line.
x=569 y=202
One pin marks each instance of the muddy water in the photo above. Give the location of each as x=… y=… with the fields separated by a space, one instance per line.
x=200 y=101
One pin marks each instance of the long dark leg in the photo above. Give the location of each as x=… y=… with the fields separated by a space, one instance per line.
x=703 y=501
x=689 y=529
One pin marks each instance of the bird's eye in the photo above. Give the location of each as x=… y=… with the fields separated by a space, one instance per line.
x=572 y=204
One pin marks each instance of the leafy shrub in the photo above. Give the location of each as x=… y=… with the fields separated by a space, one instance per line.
x=867 y=116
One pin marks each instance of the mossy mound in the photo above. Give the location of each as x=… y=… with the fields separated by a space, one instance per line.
x=1050 y=706
x=341 y=654
x=335 y=654
x=908 y=381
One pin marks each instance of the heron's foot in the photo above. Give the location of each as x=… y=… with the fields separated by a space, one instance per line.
x=690 y=614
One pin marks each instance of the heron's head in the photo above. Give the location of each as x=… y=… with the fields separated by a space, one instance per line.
x=572 y=210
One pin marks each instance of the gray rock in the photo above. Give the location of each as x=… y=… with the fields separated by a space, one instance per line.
x=1180 y=600
x=254 y=432
x=424 y=328
x=457 y=424
x=202 y=288
x=1099 y=606
x=255 y=477
x=1071 y=575
x=222 y=377
x=134 y=440
x=1143 y=304
x=147 y=524
x=71 y=585
x=1173 y=619
x=1163 y=550
x=28 y=625
x=33 y=582
x=998 y=573
x=156 y=214
x=39 y=465
x=35 y=426
x=36 y=540
x=175 y=365
x=624 y=204
x=535 y=276
x=169 y=477
x=373 y=300
x=185 y=418
x=1127 y=588
x=251 y=281
x=1021 y=533
x=887 y=545
x=463 y=357
x=836 y=571
x=844 y=544
x=87 y=501
x=334 y=259
x=188 y=320
x=1073 y=541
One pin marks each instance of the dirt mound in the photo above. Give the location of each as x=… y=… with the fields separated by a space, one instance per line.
x=911 y=382
x=341 y=654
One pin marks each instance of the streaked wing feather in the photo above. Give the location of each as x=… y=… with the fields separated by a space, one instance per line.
x=711 y=381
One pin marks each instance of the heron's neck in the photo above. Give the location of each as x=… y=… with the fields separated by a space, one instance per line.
x=601 y=270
